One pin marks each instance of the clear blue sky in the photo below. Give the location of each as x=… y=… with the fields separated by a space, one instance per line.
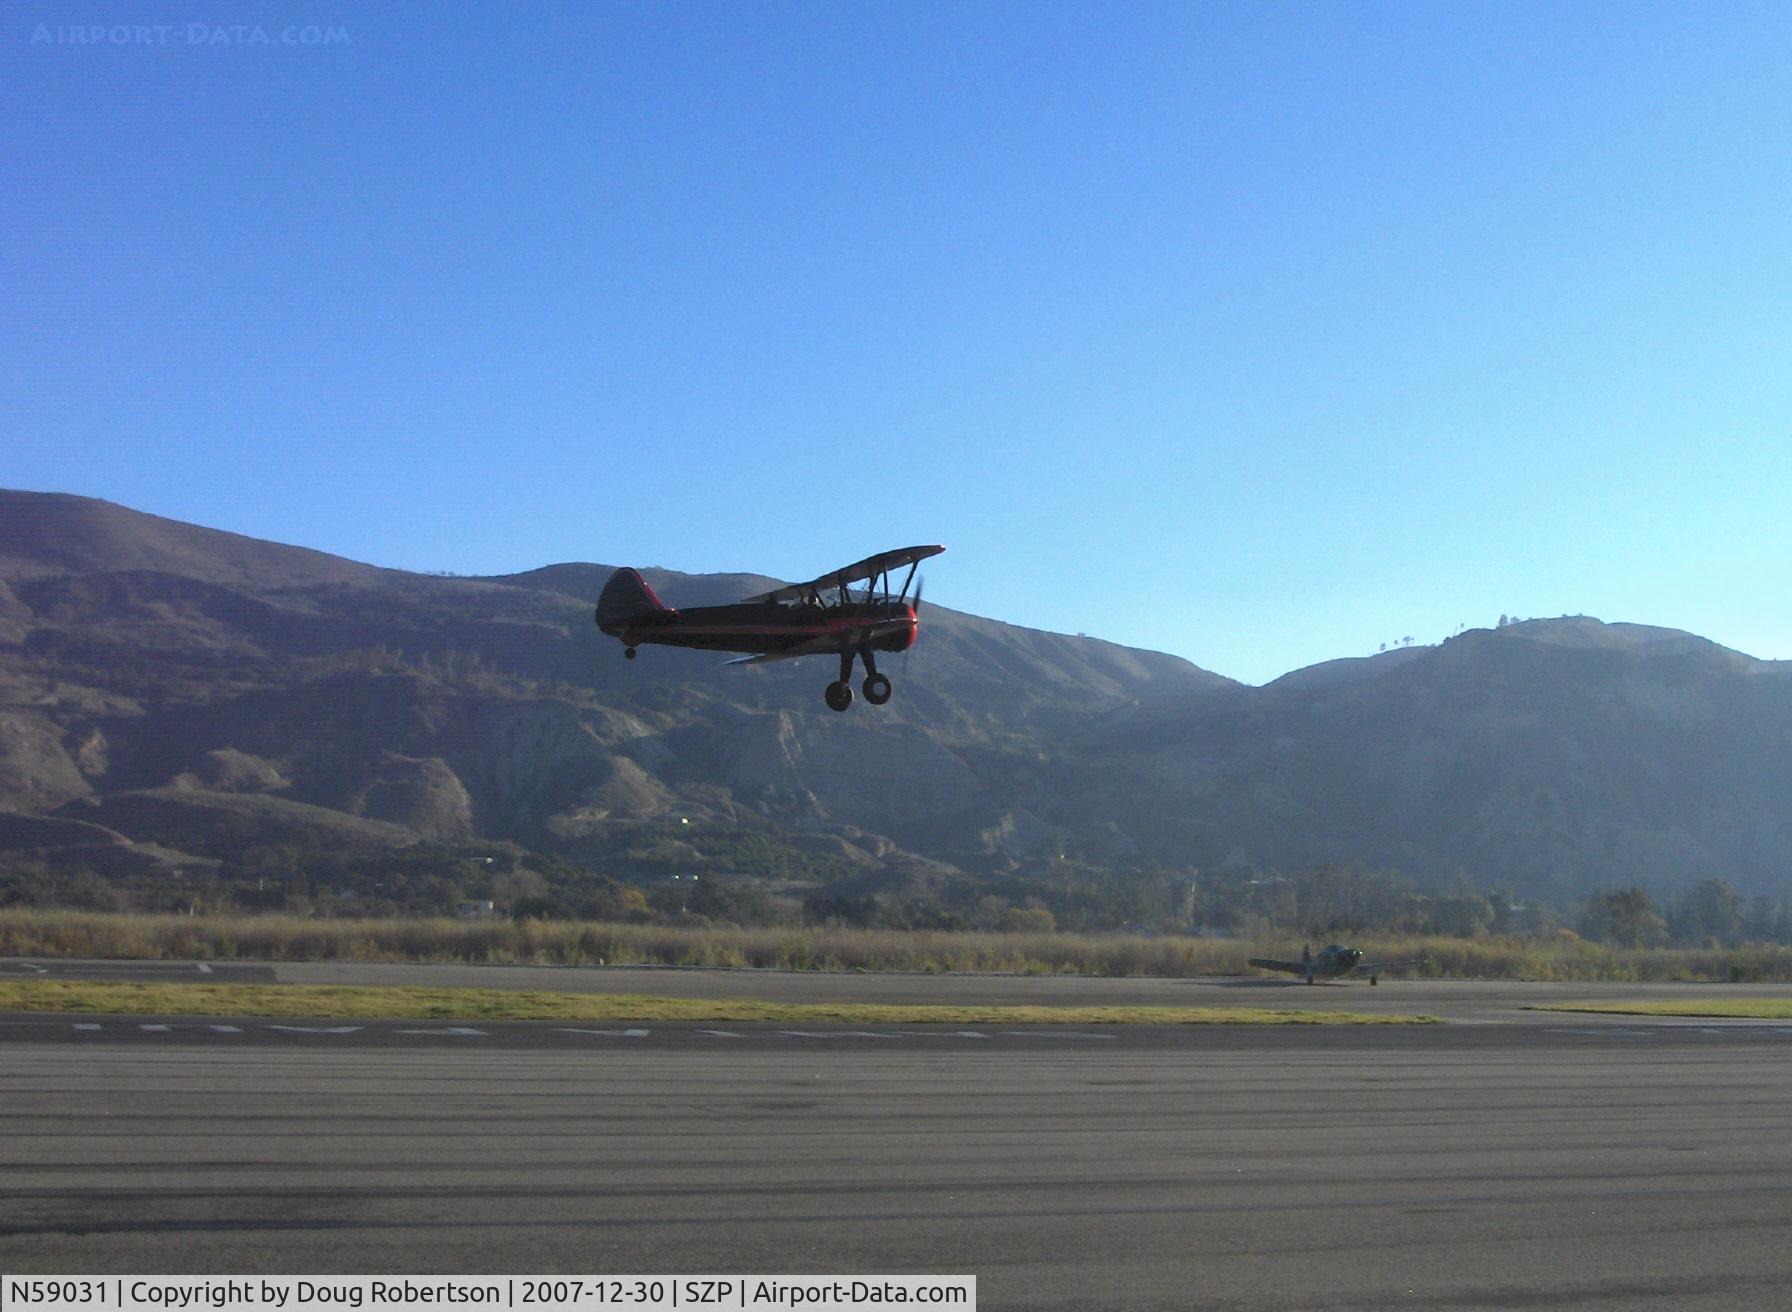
x=1258 y=333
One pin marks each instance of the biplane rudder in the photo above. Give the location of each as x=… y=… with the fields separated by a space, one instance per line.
x=627 y=600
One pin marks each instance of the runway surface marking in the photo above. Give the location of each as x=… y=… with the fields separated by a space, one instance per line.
x=541 y=1035
x=195 y=1029
x=142 y=971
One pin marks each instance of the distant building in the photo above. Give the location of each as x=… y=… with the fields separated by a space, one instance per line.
x=486 y=910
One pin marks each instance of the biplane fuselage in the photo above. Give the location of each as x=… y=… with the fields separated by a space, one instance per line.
x=825 y=617
x=769 y=627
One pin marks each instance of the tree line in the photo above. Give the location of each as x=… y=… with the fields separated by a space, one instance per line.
x=748 y=879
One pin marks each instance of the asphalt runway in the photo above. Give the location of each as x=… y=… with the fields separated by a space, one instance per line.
x=1510 y=1159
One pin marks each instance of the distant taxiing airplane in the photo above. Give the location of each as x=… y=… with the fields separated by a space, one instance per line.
x=1334 y=961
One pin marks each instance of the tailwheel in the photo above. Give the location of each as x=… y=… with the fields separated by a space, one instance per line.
x=877 y=689
x=839 y=695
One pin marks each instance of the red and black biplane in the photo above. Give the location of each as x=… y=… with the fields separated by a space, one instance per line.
x=824 y=617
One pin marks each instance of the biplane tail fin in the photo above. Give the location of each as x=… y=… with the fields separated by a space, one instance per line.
x=627 y=600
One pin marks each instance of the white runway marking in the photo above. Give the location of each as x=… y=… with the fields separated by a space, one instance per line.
x=467 y=1032
x=204 y=969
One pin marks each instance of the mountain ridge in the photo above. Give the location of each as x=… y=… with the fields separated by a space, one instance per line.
x=150 y=668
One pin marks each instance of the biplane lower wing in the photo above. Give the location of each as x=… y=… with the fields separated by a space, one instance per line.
x=815 y=647
x=846 y=639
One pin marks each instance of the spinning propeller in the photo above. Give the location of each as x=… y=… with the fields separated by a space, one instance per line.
x=920 y=582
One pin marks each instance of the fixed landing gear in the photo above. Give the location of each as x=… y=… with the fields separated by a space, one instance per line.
x=839 y=693
x=629 y=652
x=1374 y=980
x=876 y=686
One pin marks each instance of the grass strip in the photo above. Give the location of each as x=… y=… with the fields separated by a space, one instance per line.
x=345 y=1002
x=1740 y=1008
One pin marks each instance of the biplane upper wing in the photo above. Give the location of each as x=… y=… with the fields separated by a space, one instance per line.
x=857 y=572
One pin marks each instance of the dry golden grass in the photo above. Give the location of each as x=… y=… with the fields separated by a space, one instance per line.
x=291 y=938
x=338 y=1002
x=34 y=933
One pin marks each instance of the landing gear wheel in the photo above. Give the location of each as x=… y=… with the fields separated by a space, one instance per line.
x=1374 y=980
x=877 y=689
x=629 y=652
x=839 y=695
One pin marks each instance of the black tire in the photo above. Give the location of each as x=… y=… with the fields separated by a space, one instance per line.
x=877 y=689
x=629 y=652
x=1374 y=980
x=839 y=695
